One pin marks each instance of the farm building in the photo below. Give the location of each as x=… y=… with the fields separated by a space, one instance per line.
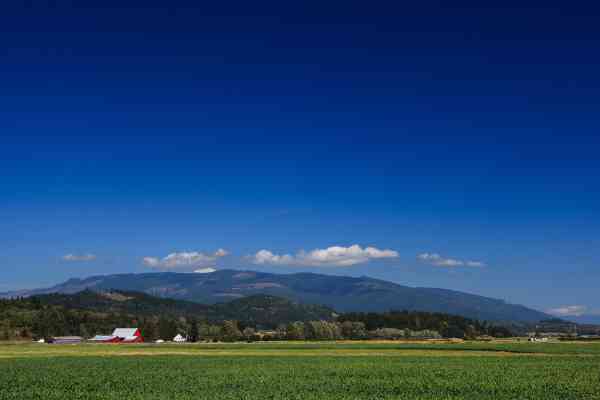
x=538 y=339
x=104 y=339
x=179 y=339
x=120 y=335
x=128 y=335
x=65 y=340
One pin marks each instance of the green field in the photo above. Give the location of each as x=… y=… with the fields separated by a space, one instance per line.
x=302 y=371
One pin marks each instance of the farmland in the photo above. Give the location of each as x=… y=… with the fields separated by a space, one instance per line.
x=361 y=370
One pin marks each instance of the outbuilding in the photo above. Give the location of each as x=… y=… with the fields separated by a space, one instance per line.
x=65 y=340
x=179 y=339
x=128 y=335
x=120 y=335
x=105 y=339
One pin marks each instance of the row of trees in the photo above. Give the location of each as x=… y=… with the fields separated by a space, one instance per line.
x=446 y=325
x=230 y=331
x=55 y=324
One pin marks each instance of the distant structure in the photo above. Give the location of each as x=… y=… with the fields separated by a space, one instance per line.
x=128 y=335
x=65 y=340
x=120 y=335
x=179 y=339
x=104 y=339
x=538 y=339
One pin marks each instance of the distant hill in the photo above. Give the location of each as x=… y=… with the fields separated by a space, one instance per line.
x=259 y=309
x=343 y=294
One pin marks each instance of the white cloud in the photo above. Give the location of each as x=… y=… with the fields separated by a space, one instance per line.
x=475 y=264
x=205 y=270
x=267 y=257
x=79 y=257
x=221 y=253
x=191 y=259
x=568 y=311
x=439 y=261
x=335 y=256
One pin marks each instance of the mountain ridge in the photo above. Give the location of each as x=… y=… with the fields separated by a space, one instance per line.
x=341 y=293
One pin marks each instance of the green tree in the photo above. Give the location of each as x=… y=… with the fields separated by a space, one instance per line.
x=295 y=331
x=353 y=330
x=248 y=333
x=83 y=331
x=453 y=332
x=149 y=329
x=231 y=331
x=194 y=332
x=5 y=331
x=167 y=328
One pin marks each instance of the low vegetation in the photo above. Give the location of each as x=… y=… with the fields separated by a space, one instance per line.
x=297 y=370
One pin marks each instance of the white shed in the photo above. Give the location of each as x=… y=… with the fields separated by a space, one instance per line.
x=179 y=339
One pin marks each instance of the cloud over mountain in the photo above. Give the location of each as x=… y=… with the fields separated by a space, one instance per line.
x=183 y=260
x=334 y=256
x=79 y=257
x=439 y=261
x=207 y=270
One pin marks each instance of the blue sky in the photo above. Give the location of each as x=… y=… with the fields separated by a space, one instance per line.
x=141 y=129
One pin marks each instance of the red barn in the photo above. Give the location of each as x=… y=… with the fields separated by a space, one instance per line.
x=128 y=335
x=105 y=339
x=121 y=335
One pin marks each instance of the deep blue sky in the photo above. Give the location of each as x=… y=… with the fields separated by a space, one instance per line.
x=133 y=129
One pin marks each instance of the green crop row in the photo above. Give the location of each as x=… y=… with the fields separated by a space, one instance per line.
x=300 y=377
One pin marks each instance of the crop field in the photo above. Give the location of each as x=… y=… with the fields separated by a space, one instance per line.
x=361 y=370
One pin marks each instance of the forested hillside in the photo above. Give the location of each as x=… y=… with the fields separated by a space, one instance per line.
x=258 y=317
x=88 y=313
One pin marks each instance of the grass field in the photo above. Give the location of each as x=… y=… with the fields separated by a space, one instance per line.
x=467 y=370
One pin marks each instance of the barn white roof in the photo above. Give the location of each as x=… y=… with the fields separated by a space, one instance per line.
x=124 y=332
x=102 y=338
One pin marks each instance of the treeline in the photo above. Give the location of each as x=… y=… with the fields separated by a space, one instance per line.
x=33 y=318
x=231 y=330
x=402 y=323
x=30 y=318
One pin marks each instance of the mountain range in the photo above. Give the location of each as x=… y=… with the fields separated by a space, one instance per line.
x=341 y=293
